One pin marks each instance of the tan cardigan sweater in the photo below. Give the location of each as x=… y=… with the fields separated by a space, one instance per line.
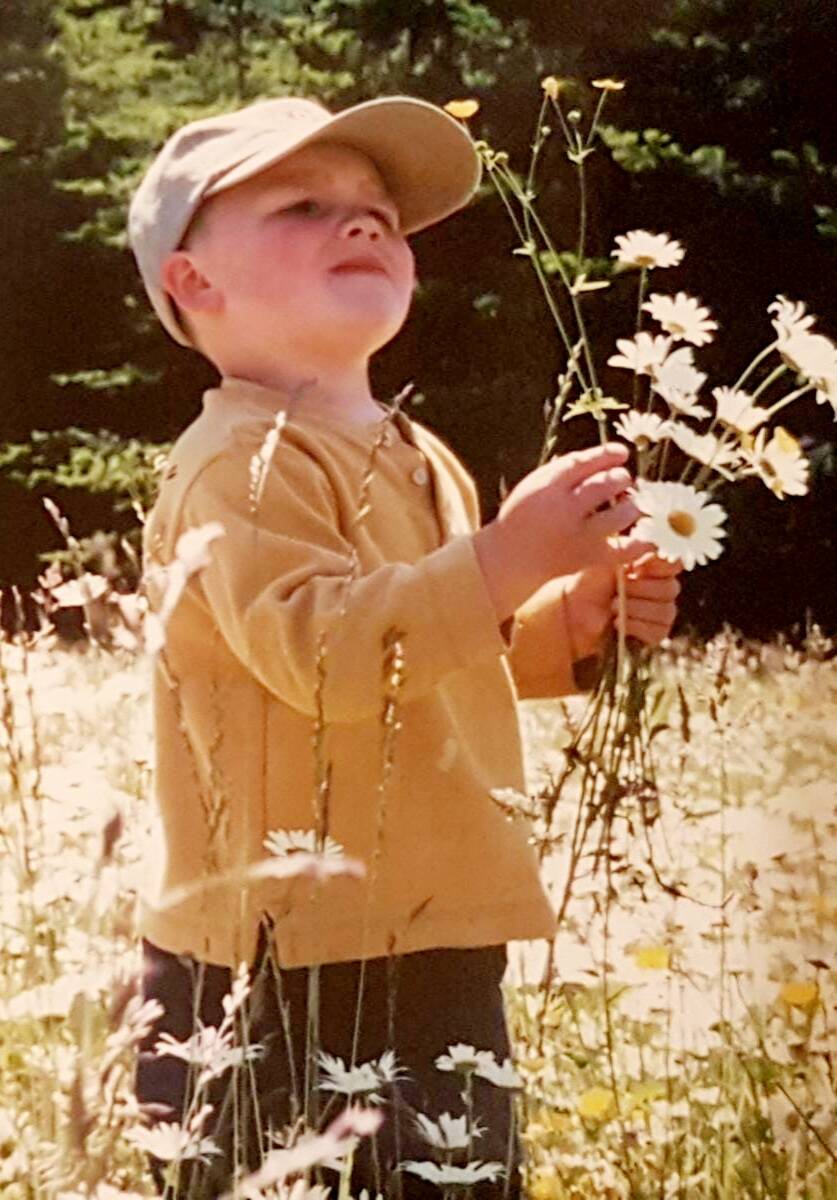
x=361 y=534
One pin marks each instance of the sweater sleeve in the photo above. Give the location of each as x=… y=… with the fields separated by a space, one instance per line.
x=539 y=651
x=283 y=578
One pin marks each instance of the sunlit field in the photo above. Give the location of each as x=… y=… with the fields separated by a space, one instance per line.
x=684 y=1044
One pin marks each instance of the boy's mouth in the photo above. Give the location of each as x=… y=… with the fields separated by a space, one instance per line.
x=360 y=264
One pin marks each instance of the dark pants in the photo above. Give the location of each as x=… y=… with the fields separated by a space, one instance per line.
x=415 y=1004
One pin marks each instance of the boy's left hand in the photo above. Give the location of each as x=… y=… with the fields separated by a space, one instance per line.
x=651 y=589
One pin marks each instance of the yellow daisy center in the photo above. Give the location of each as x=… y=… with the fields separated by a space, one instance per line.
x=682 y=523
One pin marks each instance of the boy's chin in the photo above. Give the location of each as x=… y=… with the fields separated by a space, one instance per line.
x=371 y=328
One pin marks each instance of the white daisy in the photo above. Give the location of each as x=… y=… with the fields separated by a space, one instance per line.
x=811 y=355
x=283 y=842
x=682 y=317
x=447 y=1175
x=705 y=448
x=464 y=1058
x=171 y=1142
x=678 y=381
x=449 y=1133
x=502 y=1075
x=790 y=318
x=641 y=428
x=642 y=354
x=678 y=373
x=362 y=1080
x=736 y=410
x=642 y=249
x=683 y=403
x=209 y=1048
x=679 y=521
x=779 y=463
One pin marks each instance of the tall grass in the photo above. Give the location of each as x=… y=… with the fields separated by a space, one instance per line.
x=684 y=1044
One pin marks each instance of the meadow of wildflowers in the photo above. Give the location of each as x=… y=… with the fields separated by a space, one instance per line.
x=682 y=1045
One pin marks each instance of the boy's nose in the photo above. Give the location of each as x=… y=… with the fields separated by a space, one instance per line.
x=360 y=224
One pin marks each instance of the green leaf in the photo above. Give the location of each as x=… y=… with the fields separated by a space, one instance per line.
x=827 y=224
x=812 y=157
x=785 y=158
x=593 y=403
x=578 y=156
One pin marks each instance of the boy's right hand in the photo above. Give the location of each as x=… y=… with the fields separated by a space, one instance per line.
x=549 y=525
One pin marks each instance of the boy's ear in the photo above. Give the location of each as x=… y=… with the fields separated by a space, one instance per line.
x=190 y=289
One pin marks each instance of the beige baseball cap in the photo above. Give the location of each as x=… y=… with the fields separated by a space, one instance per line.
x=426 y=158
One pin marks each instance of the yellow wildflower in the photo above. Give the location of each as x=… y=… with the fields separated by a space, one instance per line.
x=534 y=1062
x=608 y=85
x=800 y=993
x=462 y=109
x=547 y=1128
x=552 y=86
x=652 y=958
x=596 y=1103
x=546 y=1186
x=644 y=1093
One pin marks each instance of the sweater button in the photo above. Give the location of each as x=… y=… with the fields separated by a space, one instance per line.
x=420 y=476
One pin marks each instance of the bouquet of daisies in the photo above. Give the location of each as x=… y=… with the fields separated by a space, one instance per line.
x=664 y=412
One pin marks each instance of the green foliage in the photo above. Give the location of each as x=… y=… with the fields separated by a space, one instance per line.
x=102 y=462
x=726 y=66
x=99 y=380
x=569 y=262
x=651 y=149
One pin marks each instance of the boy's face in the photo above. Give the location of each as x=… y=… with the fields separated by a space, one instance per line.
x=274 y=250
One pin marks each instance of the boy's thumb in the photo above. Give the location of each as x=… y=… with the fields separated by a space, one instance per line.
x=625 y=548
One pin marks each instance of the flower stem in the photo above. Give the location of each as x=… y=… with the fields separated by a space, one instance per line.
x=775 y=374
x=748 y=370
x=595 y=121
x=786 y=400
x=643 y=281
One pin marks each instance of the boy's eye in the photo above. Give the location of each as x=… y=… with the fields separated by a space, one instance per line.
x=306 y=207
x=388 y=219
x=312 y=208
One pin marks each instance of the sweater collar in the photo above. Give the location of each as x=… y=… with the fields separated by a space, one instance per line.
x=238 y=391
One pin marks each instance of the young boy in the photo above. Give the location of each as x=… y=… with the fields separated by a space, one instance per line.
x=348 y=660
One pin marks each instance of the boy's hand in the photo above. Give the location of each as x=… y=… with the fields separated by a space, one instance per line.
x=651 y=590
x=556 y=521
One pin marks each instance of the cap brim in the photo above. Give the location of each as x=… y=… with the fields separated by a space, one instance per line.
x=426 y=158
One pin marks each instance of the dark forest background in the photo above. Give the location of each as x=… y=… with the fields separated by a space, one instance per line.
x=724 y=137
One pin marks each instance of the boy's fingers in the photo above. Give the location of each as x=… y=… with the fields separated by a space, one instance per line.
x=616 y=519
x=577 y=466
x=626 y=549
x=602 y=487
x=651 y=566
x=653 y=587
x=653 y=612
